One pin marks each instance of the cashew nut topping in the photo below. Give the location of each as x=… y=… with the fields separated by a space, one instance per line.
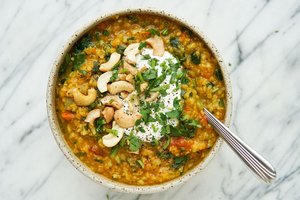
x=112 y=100
x=122 y=77
x=130 y=53
x=108 y=114
x=126 y=120
x=143 y=86
x=130 y=68
x=157 y=44
x=129 y=78
x=84 y=100
x=92 y=115
x=103 y=80
x=120 y=86
x=114 y=59
x=110 y=139
x=153 y=97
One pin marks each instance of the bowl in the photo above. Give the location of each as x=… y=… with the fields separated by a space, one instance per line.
x=57 y=132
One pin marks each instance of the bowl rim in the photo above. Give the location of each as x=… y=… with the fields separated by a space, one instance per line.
x=58 y=135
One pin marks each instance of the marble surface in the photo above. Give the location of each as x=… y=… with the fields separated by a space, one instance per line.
x=259 y=39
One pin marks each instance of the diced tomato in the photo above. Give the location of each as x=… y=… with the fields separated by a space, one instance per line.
x=95 y=150
x=181 y=142
x=67 y=115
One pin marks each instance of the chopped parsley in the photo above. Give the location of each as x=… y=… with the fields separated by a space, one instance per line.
x=142 y=45
x=134 y=143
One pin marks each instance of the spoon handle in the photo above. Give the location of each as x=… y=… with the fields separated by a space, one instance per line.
x=252 y=159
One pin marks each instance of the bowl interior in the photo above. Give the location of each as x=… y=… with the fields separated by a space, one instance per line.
x=57 y=132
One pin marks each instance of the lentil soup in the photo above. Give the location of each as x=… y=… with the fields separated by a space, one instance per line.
x=130 y=97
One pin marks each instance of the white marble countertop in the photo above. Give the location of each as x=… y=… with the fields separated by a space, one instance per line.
x=261 y=41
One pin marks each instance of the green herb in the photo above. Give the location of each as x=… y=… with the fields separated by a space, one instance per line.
x=132 y=18
x=83 y=72
x=145 y=114
x=62 y=81
x=218 y=74
x=98 y=160
x=196 y=59
x=80 y=154
x=173 y=114
x=96 y=66
x=179 y=161
x=146 y=57
x=140 y=162
x=134 y=143
x=138 y=122
x=221 y=103
x=115 y=150
x=165 y=155
x=149 y=74
x=66 y=63
x=176 y=103
x=165 y=32
x=210 y=84
x=142 y=129
x=85 y=42
x=114 y=76
x=174 y=42
x=105 y=32
x=99 y=124
x=142 y=45
x=167 y=143
x=121 y=48
x=130 y=38
x=184 y=79
x=153 y=62
x=153 y=32
x=78 y=60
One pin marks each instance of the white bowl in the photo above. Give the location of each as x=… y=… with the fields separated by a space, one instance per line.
x=57 y=132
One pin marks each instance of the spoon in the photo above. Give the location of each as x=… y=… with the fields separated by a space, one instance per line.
x=256 y=163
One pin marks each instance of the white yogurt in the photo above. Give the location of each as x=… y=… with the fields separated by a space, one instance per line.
x=153 y=129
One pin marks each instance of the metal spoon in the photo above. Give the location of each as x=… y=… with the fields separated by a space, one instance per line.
x=251 y=158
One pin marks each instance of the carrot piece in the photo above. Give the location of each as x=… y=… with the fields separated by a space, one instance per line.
x=181 y=142
x=66 y=115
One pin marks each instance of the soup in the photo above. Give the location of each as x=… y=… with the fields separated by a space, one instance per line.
x=130 y=98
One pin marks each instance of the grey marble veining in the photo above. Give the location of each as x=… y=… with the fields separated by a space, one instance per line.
x=260 y=41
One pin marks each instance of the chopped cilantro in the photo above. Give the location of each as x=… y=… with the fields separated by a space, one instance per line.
x=121 y=48
x=153 y=62
x=165 y=32
x=141 y=164
x=146 y=57
x=142 y=45
x=173 y=114
x=99 y=124
x=134 y=143
x=149 y=74
x=153 y=32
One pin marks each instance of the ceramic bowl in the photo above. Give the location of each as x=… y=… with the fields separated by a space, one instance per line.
x=57 y=132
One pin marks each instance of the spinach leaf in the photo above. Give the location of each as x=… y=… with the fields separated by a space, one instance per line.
x=218 y=74
x=78 y=60
x=179 y=161
x=196 y=59
x=121 y=48
x=174 y=42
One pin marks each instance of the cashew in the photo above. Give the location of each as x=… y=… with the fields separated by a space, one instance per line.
x=143 y=86
x=92 y=115
x=110 y=139
x=120 y=86
x=108 y=114
x=153 y=97
x=112 y=101
x=122 y=77
x=157 y=44
x=114 y=59
x=129 y=78
x=126 y=120
x=130 y=53
x=142 y=69
x=103 y=80
x=124 y=94
x=130 y=68
x=84 y=100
